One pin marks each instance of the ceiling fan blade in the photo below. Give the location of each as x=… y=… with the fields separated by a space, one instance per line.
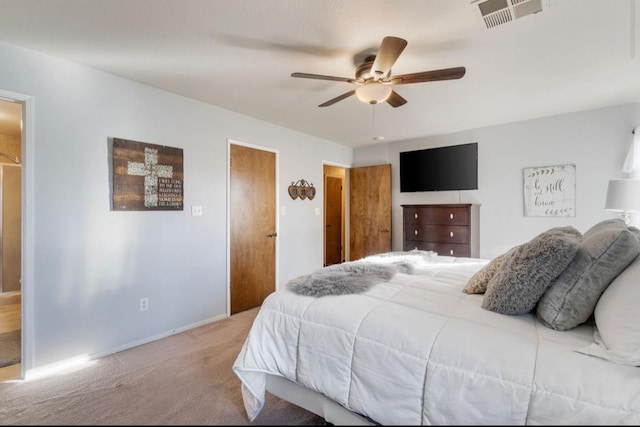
x=322 y=77
x=390 y=50
x=396 y=100
x=429 y=76
x=337 y=98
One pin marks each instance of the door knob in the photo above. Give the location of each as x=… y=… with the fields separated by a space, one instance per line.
x=274 y=234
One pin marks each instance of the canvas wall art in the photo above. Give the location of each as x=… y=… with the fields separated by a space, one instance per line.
x=550 y=191
x=147 y=177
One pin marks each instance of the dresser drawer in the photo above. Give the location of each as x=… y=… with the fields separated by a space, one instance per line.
x=443 y=249
x=437 y=233
x=436 y=215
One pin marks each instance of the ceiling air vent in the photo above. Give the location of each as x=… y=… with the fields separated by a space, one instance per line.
x=498 y=12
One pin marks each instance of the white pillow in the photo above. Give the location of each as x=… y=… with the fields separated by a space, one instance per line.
x=617 y=316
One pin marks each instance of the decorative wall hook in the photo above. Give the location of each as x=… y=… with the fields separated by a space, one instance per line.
x=302 y=189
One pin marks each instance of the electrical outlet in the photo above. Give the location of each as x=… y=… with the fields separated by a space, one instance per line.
x=144 y=304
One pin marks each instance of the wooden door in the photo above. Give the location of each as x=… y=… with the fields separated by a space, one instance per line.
x=252 y=226
x=369 y=210
x=333 y=220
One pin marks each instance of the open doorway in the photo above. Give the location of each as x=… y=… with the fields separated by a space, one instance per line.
x=10 y=239
x=334 y=214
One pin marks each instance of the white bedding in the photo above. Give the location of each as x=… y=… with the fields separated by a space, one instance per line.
x=416 y=350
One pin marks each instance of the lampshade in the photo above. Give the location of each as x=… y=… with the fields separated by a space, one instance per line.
x=373 y=93
x=623 y=195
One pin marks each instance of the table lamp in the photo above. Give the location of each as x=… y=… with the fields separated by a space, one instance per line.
x=623 y=195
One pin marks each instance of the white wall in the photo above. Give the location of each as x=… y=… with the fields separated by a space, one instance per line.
x=595 y=141
x=91 y=265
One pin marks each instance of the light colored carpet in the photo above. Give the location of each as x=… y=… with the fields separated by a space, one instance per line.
x=9 y=348
x=184 y=379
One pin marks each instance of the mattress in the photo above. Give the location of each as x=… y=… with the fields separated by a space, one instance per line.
x=416 y=350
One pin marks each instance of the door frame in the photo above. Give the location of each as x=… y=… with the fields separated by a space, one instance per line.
x=27 y=243
x=230 y=142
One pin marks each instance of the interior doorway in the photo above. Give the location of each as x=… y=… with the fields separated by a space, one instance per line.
x=334 y=214
x=10 y=238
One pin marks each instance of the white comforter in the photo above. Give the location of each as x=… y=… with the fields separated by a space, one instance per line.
x=416 y=350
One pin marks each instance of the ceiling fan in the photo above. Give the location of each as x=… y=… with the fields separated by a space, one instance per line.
x=375 y=78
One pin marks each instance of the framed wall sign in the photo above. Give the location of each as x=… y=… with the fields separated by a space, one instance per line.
x=550 y=191
x=146 y=177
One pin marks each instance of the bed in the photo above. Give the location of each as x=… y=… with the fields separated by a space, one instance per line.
x=404 y=338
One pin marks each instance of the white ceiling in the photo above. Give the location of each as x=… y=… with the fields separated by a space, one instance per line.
x=239 y=55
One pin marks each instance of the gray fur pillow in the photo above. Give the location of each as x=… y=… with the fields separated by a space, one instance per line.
x=606 y=250
x=529 y=270
x=477 y=284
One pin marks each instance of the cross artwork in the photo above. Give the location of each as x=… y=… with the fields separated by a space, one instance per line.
x=151 y=170
x=146 y=176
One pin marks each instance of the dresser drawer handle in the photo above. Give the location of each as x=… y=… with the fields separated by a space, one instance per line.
x=451 y=215
x=415 y=215
x=451 y=251
x=415 y=232
x=451 y=234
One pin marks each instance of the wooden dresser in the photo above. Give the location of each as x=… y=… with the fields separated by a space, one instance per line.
x=450 y=230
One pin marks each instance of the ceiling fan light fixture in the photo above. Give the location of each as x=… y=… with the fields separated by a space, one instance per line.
x=373 y=93
x=374 y=76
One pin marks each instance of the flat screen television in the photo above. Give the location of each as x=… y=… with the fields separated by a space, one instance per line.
x=454 y=167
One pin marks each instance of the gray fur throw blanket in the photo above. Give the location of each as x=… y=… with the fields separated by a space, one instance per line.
x=347 y=278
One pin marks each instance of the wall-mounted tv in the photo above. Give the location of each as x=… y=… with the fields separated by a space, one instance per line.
x=454 y=167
